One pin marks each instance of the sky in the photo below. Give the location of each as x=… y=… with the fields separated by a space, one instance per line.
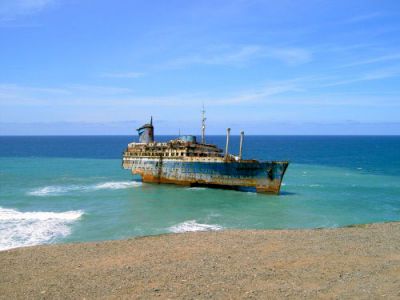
x=265 y=67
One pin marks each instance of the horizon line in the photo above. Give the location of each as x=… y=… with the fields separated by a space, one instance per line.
x=169 y=135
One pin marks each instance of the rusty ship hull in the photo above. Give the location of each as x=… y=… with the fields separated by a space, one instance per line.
x=247 y=175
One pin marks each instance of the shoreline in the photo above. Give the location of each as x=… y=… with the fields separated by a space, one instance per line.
x=360 y=260
x=360 y=225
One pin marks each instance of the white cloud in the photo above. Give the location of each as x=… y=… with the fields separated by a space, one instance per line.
x=238 y=56
x=97 y=90
x=11 y=9
x=371 y=75
x=363 y=18
x=13 y=94
x=291 y=56
x=256 y=95
x=98 y=96
x=122 y=75
x=298 y=91
x=383 y=58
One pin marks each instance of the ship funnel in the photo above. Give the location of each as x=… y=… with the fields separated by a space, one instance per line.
x=228 y=132
x=241 y=144
x=146 y=133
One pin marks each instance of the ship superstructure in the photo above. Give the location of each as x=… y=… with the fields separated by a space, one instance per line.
x=185 y=161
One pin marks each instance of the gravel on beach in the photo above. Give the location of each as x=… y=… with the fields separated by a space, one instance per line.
x=355 y=262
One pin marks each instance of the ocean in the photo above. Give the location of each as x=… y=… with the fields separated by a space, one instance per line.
x=59 y=189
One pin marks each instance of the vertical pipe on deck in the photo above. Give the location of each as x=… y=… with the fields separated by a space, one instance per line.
x=203 y=126
x=241 y=145
x=228 y=131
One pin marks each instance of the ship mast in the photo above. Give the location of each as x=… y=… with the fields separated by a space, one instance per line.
x=203 y=126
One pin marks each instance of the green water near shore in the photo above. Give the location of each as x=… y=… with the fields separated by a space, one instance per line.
x=94 y=199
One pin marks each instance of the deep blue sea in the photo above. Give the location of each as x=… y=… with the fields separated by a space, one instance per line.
x=73 y=189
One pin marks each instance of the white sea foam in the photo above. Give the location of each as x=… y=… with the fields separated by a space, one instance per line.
x=18 y=229
x=57 y=190
x=214 y=215
x=252 y=193
x=196 y=188
x=192 y=225
x=52 y=190
x=116 y=185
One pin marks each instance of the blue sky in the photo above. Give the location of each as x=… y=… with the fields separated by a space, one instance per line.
x=267 y=67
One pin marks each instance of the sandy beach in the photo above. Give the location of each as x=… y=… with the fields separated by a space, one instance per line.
x=361 y=262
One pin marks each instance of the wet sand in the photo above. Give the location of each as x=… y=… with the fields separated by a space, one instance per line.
x=357 y=262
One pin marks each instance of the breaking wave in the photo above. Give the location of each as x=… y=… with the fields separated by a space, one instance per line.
x=19 y=229
x=192 y=225
x=57 y=190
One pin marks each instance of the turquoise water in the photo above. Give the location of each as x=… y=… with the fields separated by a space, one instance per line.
x=52 y=191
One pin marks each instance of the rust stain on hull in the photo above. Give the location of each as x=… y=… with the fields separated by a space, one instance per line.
x=266 y=178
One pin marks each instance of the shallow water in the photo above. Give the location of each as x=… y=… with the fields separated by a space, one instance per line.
x=63 y=189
